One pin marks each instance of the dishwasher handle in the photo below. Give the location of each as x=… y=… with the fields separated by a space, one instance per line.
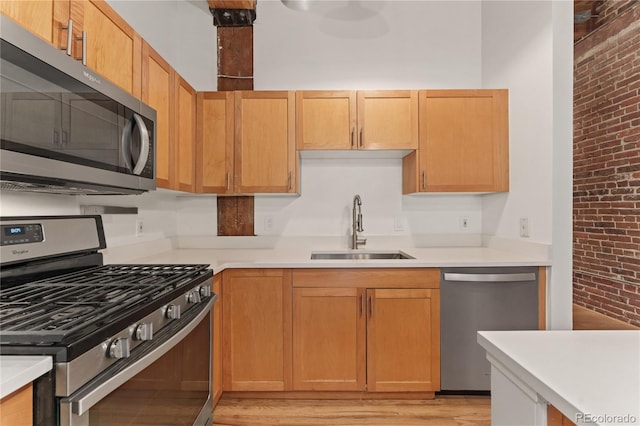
x=489 y=278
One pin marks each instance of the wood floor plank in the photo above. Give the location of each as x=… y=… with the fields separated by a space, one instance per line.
x=445 y=411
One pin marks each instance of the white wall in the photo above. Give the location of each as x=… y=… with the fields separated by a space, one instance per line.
x=516 y=54
x=527 y=46
x=367 y=45
x=181 y=31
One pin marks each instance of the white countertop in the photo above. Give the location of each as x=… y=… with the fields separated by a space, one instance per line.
x=16 y=371
x=594 y=372
x=221 y=259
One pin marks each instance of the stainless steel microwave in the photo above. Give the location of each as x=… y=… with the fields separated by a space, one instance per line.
x=66 y=129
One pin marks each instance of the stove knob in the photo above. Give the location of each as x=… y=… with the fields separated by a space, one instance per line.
x=204 y=290
x=193 y=297
x=144 y=331
x=172 y=312
x=119 y=348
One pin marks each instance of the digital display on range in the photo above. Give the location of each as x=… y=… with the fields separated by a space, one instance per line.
x=14 y=230
x=21 y=234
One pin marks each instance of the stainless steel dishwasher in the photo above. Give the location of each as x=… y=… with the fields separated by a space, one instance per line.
x=475 y=299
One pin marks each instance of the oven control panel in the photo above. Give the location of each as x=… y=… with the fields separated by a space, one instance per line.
x=21 y=234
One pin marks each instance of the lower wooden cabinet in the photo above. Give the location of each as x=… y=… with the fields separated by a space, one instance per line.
x=556 y=418
x=373 y=339
x=353 y=330
x=403 y=340
x=256 y=330
x=16 y=409
x=216 y=356
x=329 y=339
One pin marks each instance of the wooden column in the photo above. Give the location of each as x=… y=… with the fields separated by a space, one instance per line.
x=235 y=72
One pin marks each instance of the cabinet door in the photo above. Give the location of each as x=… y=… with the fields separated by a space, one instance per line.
x=214 y=142
x=388 y=119
x=403 y=340
x=158 y=91
x=265 y=159
x=47 y=19
x=216 y=367
x=326 y=120
x=35 y=16
x=185 y=134
x=464 y=140
x=113 y=47
x=256 y=330
x=16 y=409
x=329 y=339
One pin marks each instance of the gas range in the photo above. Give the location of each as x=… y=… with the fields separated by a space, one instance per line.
x=68 y=314
x=98 y=322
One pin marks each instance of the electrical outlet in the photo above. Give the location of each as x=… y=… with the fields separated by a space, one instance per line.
x=139 y=227
x=524 y=227
x=464 y=223
x=268 y=223
x=398 y=224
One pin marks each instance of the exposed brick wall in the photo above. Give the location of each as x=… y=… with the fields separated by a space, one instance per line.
x=611 y=9
x=606 y=200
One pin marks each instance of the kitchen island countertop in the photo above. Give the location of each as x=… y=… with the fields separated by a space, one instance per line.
x=592 y=377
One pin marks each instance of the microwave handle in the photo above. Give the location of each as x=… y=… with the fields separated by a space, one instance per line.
x=144 y=146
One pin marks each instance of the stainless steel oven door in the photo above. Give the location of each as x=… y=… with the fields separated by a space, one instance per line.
x=165 y=382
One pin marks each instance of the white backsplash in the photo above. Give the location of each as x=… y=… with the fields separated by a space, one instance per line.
x=324 y=206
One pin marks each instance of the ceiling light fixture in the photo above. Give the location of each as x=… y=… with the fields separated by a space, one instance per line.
x=301 y=5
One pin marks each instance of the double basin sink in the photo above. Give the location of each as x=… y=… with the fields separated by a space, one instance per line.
x=360 y=255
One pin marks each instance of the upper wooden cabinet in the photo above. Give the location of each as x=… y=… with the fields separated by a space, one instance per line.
x=185 y=135
x=45 y=19
x=112 y=48
x=215 y=142
x=158 y=91
x=464 y=143
x=326 y=119
x=265 y=154
x=246 y=143
x=368 y=120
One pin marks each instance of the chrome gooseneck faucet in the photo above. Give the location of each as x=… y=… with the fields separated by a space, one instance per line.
x=356 y=225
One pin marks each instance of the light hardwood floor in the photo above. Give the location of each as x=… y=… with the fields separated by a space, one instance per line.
x=586 y=319
x=444 y=410
x=449 y=410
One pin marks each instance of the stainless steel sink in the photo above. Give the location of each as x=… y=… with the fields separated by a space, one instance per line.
x=359 y=255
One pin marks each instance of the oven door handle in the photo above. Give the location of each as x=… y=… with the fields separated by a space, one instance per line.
x=94 y=393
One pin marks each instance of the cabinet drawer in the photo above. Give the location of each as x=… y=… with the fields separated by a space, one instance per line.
x=368 y=277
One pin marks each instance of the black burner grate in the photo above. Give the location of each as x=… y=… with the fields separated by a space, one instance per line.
x=55 y=308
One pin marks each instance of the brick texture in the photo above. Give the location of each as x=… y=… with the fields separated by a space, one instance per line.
x=606 y=148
